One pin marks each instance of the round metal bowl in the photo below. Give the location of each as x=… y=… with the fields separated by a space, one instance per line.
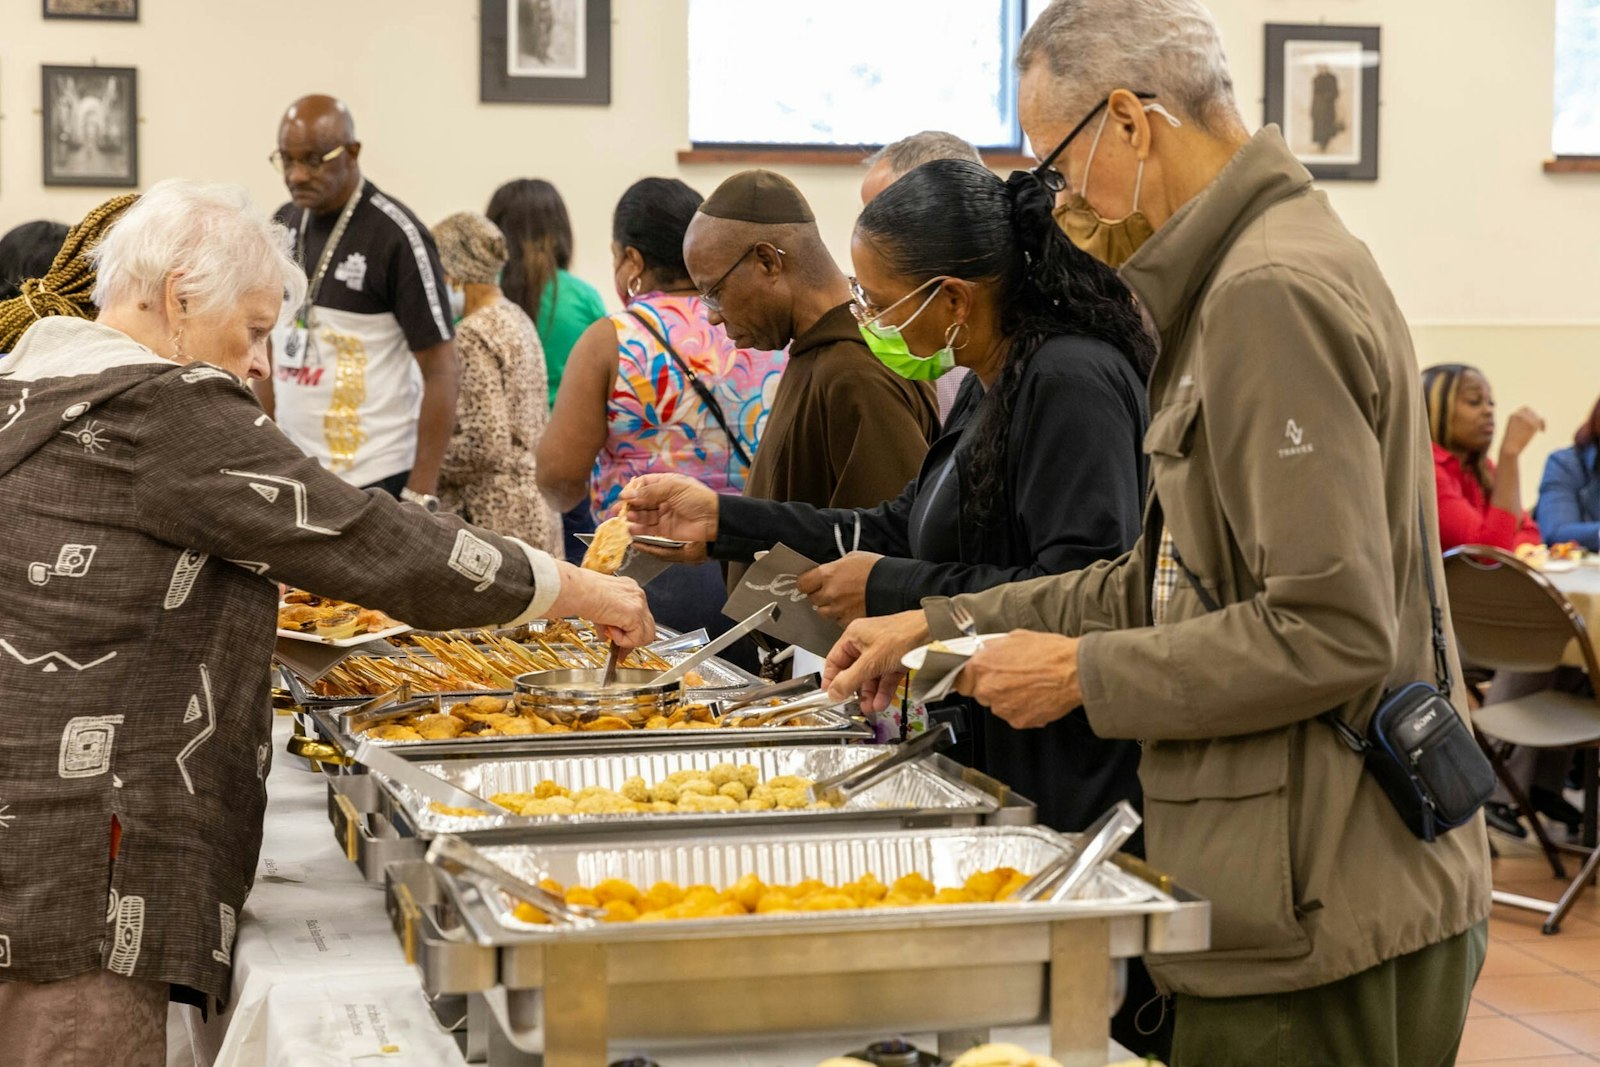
x=571 y=696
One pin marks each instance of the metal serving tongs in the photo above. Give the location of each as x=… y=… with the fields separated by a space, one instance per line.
x=395 y=704
x=755 y=621
x=743 y=704
x=1063 y=877
x=453 y=855
x=841 y=787
x=430 y=787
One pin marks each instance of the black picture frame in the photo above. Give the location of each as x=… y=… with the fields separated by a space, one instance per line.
x=52 y=11
x=1313 y=72
x=90 y=125
x=575 y=67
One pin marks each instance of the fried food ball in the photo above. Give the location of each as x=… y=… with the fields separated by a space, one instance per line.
x=667 y=792
x=558 y=806
x=828 y=902
x=985 y=885
x=703 y=786
x=956 y=896
x=694 y=802
x=808 y=887
x=659 y=896
x=617 y=889
x=754 y=804
x=722 y=773
x=749 y=775
x=546 y=789
x=620 y=911
x=527 y=913
x=582 y=897
x=635 y=790
x=1014 y=883
x=660 y=807
x=913 y=885
x=748 y=891
x=775 y=900
x=790 y=799
x=552 y=886
x=734 y=789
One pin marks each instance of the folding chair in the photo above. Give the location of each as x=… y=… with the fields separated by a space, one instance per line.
x=1509 y=617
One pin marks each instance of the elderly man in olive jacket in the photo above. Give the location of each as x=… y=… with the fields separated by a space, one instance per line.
x=1289 y=458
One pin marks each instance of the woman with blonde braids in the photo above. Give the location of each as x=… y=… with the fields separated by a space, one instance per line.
x=68 y=287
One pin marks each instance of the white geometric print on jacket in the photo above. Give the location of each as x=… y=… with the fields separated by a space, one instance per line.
x=203 y=373
x=267 y=486
x=71 y=562
x=6 y=818
x=51 y=659
x=15 y=410
x=5 y=951
x=128 y=935
x=86 y=746
x=475 y=558
x=74 y=411
x=224 y=955
x=190 y=714
x=183 y=576
x=92 y=437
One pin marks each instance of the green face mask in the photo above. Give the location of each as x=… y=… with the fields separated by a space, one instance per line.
x=888 y=343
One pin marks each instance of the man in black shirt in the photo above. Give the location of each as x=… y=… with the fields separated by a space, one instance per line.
x=365 y=376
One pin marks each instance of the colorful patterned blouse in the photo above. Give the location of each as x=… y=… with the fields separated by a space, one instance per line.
x=658 y=422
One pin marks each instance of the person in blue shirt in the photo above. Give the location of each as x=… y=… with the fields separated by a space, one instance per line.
x=1569 y=493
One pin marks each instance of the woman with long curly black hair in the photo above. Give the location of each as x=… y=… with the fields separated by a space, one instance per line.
x=1039 y=471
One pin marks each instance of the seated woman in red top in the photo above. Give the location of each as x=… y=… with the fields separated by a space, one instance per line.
x=1480 y=502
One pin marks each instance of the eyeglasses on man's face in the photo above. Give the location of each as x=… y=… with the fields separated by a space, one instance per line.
x=284 y=162
x=1052 y=179
x=709 y=295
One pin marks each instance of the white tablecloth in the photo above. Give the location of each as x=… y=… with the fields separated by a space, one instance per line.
x=320 y=981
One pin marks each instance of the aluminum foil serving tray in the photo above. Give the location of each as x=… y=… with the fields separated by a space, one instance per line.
x=382 y=823
x=956 y=969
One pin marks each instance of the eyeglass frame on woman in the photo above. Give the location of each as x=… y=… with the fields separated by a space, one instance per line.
x=1051 y=178
x=860 y=305
x=709 y=297
x=282 y=161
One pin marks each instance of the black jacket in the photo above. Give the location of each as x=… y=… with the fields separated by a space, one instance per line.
x=1075 y=477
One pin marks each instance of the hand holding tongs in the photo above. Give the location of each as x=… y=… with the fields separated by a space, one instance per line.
x=452 y=854
x=743 y=704
x=1063 y=877
x=756 y=620
x=841 y=787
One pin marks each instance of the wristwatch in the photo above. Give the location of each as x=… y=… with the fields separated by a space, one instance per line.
x=426 y=500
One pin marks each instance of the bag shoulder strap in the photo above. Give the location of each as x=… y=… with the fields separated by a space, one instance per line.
x=707 y=397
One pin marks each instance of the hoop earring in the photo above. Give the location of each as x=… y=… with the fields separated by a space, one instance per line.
x=633 y=286
x=950 y=335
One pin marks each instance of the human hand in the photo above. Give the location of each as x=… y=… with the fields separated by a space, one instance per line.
x=1520 y=428
x=866 y=660
x=617 y=605
x=838 y=590
x=671 y=505
x=1028 y=679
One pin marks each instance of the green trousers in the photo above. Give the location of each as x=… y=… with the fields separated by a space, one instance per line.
x=1405 y=1012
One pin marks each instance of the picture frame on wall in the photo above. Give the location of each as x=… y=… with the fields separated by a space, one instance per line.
x=105 y=10
x=545 y=51
x=91 y=126
x=1322 y=91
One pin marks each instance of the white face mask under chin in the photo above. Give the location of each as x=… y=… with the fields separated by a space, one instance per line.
x=458 y=302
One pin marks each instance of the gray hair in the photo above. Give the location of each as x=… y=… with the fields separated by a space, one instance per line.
x=909 y=153
x=210 y=232
x=1168 y=47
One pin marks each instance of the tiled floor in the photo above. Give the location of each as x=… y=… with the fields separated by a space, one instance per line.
x=1538 y=1000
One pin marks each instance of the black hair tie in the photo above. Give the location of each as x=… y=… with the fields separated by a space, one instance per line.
x=1032 y=206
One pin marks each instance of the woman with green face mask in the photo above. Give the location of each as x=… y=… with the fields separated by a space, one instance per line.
x=1039 y=470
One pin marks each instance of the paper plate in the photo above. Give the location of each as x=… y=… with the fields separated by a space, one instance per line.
x=960 y=646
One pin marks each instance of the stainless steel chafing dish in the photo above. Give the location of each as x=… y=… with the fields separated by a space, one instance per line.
x=376 y=822
x=566 y=992
x=573 y=695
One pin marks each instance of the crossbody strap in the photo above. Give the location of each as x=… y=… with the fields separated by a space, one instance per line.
x=707 y=397
x=1441 y=647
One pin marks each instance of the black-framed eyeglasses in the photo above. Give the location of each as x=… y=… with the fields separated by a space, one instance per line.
x=1048 y=175
x=282 y=160
x=709 y=294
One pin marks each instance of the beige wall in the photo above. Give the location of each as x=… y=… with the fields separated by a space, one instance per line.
x=1493 y=260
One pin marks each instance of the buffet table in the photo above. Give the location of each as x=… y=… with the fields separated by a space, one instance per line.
x=320 y=978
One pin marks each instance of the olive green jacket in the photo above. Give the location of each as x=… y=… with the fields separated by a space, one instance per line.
x=1288 y=453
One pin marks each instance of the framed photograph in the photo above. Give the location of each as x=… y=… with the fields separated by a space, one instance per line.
x=545 y=51
x=91 y=126
x=117 y=10
x=1322 y=90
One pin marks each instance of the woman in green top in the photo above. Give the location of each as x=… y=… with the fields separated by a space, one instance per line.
x=538 y=232
x=534 y=219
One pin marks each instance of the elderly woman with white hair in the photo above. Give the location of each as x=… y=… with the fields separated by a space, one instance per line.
x=153 y=509
x=1282 y=588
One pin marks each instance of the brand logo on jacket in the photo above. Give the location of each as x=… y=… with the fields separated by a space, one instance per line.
x=1295 y=434
x=353 y=271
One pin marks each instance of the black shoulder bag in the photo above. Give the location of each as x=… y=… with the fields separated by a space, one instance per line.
x=707 y=397
x=1417 y=747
